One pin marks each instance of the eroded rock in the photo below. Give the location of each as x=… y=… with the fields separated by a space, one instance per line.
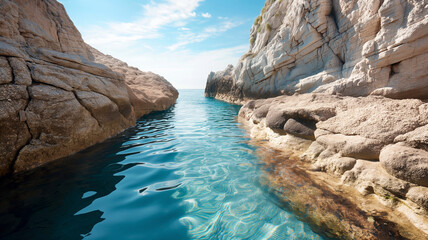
x=5 y=71
x=366 y=175
x=416 y=139
x=354 y=48
x=303 y=129
x=419 y=195
x=351 y=135
x=147 y=91
x=406 y=163
x=55 y=99
x=14 y=133
x=352 y=146
x=21 y=73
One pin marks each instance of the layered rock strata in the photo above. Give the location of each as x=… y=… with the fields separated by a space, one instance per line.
x=354 y=48
x=147 y=91
x=337 y=67
x=55 y=99
x=376 y=144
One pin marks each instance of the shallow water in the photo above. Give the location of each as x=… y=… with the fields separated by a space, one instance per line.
x=186 y=173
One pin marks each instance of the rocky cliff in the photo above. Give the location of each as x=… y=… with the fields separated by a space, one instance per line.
x=354 y=48
x=147 y=91
x=352 y=84
x=57 y=94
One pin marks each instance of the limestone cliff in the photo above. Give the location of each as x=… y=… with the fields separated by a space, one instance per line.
x=354 y=48
x=55 y=96
x=357 y=72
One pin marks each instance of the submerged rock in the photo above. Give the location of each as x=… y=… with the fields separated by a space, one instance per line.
x=336 y=212
x=55 y=96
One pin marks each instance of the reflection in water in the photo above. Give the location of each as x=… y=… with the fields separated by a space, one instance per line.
x=45 y=201
x=42 y=204
x=186 y=173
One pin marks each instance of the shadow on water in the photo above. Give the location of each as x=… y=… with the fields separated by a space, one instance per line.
x=42 y=204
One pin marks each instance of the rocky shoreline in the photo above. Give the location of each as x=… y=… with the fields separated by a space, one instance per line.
x=340 y=87
x=332 y=209
x=351 y=139
x=57 y=94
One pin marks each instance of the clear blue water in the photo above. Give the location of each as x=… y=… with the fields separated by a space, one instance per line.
x=186 y=173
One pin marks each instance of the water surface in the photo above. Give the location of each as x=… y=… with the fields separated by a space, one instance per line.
x=186 y=173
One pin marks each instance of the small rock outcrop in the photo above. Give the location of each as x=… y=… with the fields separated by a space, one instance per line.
x=354 y=48
x=55 y=96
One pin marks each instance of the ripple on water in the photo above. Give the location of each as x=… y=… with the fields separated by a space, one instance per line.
x=186 y=173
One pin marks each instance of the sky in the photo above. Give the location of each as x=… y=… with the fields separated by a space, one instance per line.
x=182 y=40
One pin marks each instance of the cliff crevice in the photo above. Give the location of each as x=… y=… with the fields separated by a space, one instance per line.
x=354 y=48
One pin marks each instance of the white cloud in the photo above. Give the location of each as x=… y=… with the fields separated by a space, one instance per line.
x=189 y=38
x=155 y=15
x=206 y=15
x=185 y=69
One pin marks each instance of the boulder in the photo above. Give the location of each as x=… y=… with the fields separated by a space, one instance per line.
x=366 y=175
x=377 y=118
x=352 y=146
x=335 y=164
x=419 y=195
x=406 y=163
x=303 y=129
x=275 y=119
x=261 y=112
x=416 y=139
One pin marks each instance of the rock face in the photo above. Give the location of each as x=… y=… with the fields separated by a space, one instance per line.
x=147 y=91
x=352 y=87
x=55 y=99
x=375 y=143
x=354 y=48
x=406 y=163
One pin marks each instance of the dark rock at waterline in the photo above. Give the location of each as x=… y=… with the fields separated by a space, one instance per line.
x=275 y=120
x=303 y=129
x=260 y=113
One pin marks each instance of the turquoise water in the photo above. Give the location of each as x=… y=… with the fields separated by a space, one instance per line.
x=186 y=173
